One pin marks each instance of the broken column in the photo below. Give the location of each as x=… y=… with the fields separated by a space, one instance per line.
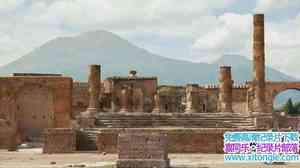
x=142 y=150
x=94 y=89
x=192 y=98
x=225 y=89
x=259 y=63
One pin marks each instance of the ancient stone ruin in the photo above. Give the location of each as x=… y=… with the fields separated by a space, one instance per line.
x=142 y=150
x=90 y=115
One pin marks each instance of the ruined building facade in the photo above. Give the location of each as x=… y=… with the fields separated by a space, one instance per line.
x=31 y=102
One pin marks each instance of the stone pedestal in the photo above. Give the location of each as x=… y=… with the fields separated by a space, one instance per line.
x=142 y=150
x=59 y=140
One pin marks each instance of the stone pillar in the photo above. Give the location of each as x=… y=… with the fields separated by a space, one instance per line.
x=192 y=99
x=259 y=63
x=139 y=100
x=156 y=108
x=124 y=101
x=94 y=88
x=225 y=89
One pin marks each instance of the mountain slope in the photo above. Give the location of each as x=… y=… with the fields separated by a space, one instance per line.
x=72 y=55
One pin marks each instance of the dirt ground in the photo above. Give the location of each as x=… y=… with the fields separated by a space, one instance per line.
x=33 y=158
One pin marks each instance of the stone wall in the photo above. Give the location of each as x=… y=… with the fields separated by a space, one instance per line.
x=7 y=131
x=185 y=140
x=36 y=102
x=239 y=100
x=59 y=140
x=114 y=86
x=292 y=122
x=80 y=98
x=213 y=96
x=171 y=98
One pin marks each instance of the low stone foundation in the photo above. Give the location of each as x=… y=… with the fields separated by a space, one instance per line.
x=142 y=150
x=180 y=140
x=59 y=140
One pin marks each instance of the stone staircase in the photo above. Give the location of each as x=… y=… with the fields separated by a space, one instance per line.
x=87 y=139
x=157 y=120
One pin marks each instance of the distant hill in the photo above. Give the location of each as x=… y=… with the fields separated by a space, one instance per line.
x=72 y=55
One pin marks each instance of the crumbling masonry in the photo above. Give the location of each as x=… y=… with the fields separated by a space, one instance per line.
x=191 y=115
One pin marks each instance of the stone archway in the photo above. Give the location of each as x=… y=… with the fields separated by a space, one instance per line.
x=275 y=88
x=34 y=110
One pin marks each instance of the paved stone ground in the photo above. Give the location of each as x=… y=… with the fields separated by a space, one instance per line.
x=32 y=158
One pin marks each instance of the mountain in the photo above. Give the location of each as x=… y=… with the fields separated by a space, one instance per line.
x=72 y=55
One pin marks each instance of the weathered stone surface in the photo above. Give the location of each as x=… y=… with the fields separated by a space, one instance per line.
x=259 y=63
x=193 y=104
x=156 y=108
x=125 y=99
x=94 y=89
x=143 y=150
x=36 y=102
x=225 y=89
x=9 y=137
x=146 y=86
x=59 y=140
x=180 y=140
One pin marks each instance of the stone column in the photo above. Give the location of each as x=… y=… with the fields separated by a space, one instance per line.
x=156 y=108
x=94 y=88
x=124 y=101
x=225 y=89
x=192 y=99
x=139 y=100
x=259 y=63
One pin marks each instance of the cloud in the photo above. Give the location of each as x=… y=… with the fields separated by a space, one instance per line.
x=232 y=35
x=34 y=22
x=194 y=30
x=266 y=6
x=10 y=5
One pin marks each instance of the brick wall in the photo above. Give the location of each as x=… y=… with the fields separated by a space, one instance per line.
x=59 y=140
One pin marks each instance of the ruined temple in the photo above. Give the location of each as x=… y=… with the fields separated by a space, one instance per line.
x=100 y=109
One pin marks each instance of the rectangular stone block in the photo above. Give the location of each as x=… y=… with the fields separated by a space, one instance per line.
x=142 y=150
x=59 y=140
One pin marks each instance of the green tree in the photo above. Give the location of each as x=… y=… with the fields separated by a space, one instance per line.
x=297 y=107
x=289 y=107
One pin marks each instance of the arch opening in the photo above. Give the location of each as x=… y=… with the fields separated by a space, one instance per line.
x=287 y=102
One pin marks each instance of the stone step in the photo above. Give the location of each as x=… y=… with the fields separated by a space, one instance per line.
x=148 y=120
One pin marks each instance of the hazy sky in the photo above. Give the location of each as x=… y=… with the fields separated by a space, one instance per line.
x=195 y=30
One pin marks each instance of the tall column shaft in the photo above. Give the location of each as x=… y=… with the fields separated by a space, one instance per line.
x=225 y=89
x=94 y=88
x=259 y=63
